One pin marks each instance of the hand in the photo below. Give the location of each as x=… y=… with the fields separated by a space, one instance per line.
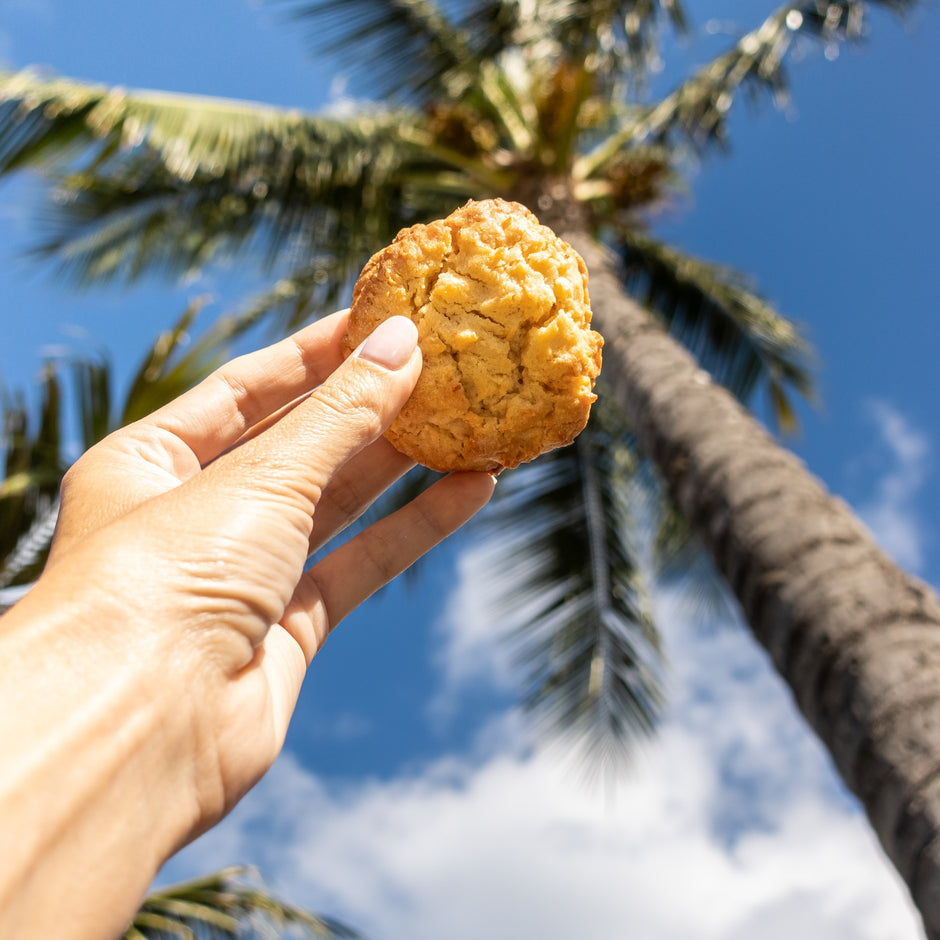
x=179 y=556
x=203 y=516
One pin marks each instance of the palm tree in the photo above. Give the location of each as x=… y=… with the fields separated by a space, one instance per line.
x=171 y=182
x=542 y=101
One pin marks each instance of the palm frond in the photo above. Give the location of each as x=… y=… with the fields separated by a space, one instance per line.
x=756 y=65
x=28 y=555
x=45 y=120
x=635 y=181
x=33 y=465
x=679 y=561
x=466 y=51
x=410 y=45
x=91 y=380
x=230 y=904
x=736 y=335
x=172 y=182
x=622 y=35
x=415 y=50
x=499 y=25
x=174 y=363
x=36 y=453
x=567 y=576
x=697 y=109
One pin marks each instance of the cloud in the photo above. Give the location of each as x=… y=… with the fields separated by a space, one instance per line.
x=513 y=848
x=341 y=104
x=890 y=511
x=730 y=825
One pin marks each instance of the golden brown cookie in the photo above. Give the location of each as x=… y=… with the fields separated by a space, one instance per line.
x=503 y=316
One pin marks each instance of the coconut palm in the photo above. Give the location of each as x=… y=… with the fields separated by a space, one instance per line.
x=543 y=101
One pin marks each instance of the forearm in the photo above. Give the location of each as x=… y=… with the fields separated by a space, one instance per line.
x=91 y=777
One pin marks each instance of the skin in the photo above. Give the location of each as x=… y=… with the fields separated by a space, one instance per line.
x=149 y=677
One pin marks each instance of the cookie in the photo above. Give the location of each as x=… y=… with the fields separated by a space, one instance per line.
x=503 y=315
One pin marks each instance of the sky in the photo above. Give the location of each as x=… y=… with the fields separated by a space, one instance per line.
x=412 y=798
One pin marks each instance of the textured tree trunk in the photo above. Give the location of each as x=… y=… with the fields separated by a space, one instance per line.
x=856 y=638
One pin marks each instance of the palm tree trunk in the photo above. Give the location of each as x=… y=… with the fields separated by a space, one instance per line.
x=856 y=638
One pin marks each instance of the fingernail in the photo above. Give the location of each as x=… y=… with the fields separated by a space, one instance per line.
x=391 y=344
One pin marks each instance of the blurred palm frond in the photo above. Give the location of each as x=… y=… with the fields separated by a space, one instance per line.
x=39 y=442
x=231 y=904
x=737 y=336
x=154 y=181
x=564 y=571
x=696 y=110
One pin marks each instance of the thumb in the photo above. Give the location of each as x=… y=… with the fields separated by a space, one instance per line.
x=353 y=407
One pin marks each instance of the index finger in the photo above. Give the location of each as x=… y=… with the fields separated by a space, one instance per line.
x=213 y=415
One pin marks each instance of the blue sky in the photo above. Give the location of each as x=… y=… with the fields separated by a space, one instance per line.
x=411 y=800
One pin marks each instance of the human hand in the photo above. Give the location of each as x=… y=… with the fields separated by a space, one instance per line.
x=182 y=542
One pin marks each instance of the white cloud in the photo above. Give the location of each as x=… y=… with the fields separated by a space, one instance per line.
x=730 y=826
x=513 y=849
x=341 y=104
x=890 y=512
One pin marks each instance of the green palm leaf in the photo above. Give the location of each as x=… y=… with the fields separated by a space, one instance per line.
x=564 y=570
x=227 y=905
x=439 y=53
x=34 y=450
x=176 y=181
x=419 y=49
x=33 y=465
x=43 y=116
x=735 y=334
x=415 y=50
x=627 y=30
x=697 y=109
x=408 y=44
x=23 y=563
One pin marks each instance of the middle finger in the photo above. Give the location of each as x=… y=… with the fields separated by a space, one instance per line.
x=354 y=488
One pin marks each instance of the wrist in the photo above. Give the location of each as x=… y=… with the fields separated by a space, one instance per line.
x=96 y=758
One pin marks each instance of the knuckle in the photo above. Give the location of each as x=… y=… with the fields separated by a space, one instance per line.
x=244 y=399
x=352 y=407
x=383 y=558
x=71 y=479
x=347 y=497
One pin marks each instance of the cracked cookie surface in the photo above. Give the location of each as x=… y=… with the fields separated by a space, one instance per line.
x=503 y=316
